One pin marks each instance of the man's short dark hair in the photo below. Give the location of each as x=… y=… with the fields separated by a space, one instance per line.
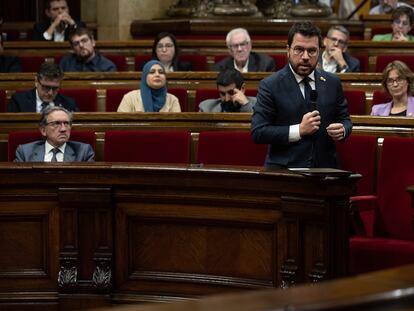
x=229 y=76
x=49 y=71
x=403 y=10
x=45 y=113
x=80 y=31
x=47 y=3
x=306 y=29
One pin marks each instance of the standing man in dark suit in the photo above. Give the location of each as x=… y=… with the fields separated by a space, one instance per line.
x=301 y=129
x=55 y=126
x=58 y=25
x=241 y=56
x=47 y=83
x=335 y=58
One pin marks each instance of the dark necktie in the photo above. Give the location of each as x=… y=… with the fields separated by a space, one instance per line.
x=55 y=151
x=44 y=106
x=308 y=89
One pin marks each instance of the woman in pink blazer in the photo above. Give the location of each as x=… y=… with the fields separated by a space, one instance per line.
x=397 y=80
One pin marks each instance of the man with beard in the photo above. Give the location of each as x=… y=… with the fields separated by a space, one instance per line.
x=241 y=56
x=45 y=94
x=58 y=25
x=230 y=85
x=301 y=111
x=84 y=57
x=55 y=127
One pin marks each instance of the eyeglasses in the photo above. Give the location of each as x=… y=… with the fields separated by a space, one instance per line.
x=398 y=80
x=58 y=124
x=161 y=46
x=78 y=42
x=299 y=51
x=242 y=45
x=230 y=92
x=337 y=41
x=48 y=88
x=401 y=22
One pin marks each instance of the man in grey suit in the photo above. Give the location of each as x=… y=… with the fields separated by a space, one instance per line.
x=301 y=111
x=241 y=56
x=230 y=86
x=55 y=126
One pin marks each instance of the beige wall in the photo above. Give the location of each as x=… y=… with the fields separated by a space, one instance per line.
x=114 y=17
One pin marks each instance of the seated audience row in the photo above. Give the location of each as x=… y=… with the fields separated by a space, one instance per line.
x=230 y=95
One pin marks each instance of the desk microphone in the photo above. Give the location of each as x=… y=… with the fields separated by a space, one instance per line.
x=314 y=100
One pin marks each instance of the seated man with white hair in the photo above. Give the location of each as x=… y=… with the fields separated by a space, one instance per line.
x=241 y=56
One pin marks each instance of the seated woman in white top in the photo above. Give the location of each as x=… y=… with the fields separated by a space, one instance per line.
x=153 y=96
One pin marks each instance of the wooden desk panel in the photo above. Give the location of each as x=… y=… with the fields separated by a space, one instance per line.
x=179 y=231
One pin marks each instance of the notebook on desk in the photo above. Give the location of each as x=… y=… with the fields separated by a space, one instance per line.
x=320 y=171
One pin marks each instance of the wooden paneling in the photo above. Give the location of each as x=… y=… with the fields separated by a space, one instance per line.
x=150 y=232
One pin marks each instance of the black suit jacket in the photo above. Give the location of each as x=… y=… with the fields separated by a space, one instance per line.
x=26 y=102
x=280 y=104
x=10 y=64
x=257 y=62
x=40 y=27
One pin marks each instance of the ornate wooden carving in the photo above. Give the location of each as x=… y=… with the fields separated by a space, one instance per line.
x=288 y=273
x=318 y=273
x=102 y=276
x=68 y=274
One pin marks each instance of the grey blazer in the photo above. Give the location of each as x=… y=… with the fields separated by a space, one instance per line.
x=214 y=105
x=35 y=152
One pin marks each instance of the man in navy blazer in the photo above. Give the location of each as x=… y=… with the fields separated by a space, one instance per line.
x=241 y=56
x=58 y=25
x=55 y=126
x=300 y=129
x=45 y=93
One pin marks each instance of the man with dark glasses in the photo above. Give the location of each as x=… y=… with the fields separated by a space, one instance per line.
x=45 y=94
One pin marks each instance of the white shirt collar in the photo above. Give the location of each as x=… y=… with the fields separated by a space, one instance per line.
x=39 y=103
x=300 y=78
x=49 y=147
x=244 y=69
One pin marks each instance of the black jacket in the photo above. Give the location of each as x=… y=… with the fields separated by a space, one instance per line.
x=26 y=102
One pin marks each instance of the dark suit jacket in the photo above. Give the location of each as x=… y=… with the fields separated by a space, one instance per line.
x=280 y=104
x=40 y=27
x=26 y=102
x=257 y=62
x=352 y=62
x=35 y=152
x=10 y=64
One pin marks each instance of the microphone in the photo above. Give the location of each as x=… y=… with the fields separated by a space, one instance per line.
x=314 y=99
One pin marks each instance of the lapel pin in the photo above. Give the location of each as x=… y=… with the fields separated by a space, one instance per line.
x=322 y=79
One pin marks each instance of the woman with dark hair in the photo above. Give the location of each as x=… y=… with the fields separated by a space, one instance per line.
x=165 y=50
x=153 y=95
x=397 y=80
